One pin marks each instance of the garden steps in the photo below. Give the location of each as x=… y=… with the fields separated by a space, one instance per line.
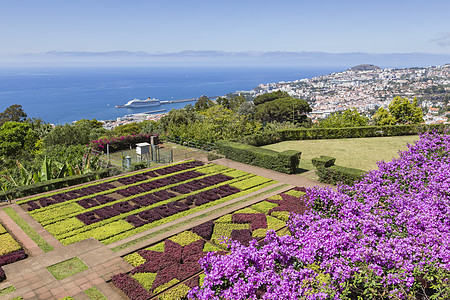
x=179 y=229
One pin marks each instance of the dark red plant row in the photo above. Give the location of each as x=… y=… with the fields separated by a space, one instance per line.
x=289 y=203
x=158 y=183
x=10 y=258
x=256 y=220
x=176 y=261
x=167 y=210
x=66 y=196
x=141 y=188
x=130 y=287
x=156 y=173
x=199 y=184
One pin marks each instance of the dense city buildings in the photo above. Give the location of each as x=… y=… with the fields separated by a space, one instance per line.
x=368 y=87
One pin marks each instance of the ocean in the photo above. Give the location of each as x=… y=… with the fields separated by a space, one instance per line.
x=63 y=95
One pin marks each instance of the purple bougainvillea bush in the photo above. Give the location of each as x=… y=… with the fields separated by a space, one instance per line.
x=386 y=237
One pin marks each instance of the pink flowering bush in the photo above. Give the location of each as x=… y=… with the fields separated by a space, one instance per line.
x=120 y=143
x=386 y=237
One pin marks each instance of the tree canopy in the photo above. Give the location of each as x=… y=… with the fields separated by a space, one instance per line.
x=14 y=113
x=347 y=118
x=282 y=110
x=401 y=111
x=269 y=97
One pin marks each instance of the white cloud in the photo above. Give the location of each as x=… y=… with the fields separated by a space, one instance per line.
x=443 y=40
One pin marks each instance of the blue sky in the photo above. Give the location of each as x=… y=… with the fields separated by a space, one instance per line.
x=394 y=26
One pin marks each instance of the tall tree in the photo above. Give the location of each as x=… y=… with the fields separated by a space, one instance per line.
x=14 y=113
x=282 y=110
x=401 y=111
x=405 y=111
x=347 y=118
x=269 y=97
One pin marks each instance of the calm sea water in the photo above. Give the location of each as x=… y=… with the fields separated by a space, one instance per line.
x=63 y=95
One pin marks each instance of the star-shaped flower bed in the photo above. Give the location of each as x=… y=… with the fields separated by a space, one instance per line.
x=282 y=205
x=163 y=265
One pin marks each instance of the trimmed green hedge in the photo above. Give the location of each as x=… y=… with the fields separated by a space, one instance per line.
x=273 y=137
x=54 y=184
x=285 y=162
x=335 y=174
x=323 y=161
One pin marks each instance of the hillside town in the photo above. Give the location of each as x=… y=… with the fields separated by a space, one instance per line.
x=367 y=87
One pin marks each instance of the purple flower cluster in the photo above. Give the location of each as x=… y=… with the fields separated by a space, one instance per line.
x=10 y=258
x=386 y=237
x=66 y=196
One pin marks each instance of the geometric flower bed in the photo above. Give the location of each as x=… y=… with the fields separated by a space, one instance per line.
x=172 y=266
x=163 y=265
x=116 y=208
x=10 y=251
x=385 y=237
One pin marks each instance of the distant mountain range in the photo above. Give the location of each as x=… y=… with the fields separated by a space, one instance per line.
x=303 y=58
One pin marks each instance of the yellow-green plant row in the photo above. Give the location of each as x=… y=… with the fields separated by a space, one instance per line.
x=99 y=182
x=63 y=219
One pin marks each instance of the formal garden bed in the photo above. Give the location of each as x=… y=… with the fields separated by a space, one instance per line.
x=116 y=208
x=170 y=268
x=10 y=251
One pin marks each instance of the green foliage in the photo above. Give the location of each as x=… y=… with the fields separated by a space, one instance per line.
x=347 y=118
x=264 y=206
x=203 y=103
x=323 y=161
x=401 y=111
x=67 y=268
x=282 y=110
x=81 y=133
x=185 y=238
x=134 y=259
x=95 y=294
x=8 y=244
x=94 y=123
x=273 y=137
x=231 y=102
x=13 y=113
x=405 y=112
x=7 y=290
x=16 y=138
x=335 y=174
x=285 y=162
x=177 y=293
x=145 y=279
x=28 y=230
x=126 y=129
x=382 y=117
x=269 y=97
x=40 y=187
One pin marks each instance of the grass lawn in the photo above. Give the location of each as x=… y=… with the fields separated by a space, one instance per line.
x=67 y=268
x=359 y=153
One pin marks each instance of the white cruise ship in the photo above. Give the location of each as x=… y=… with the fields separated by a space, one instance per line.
x=141 y=103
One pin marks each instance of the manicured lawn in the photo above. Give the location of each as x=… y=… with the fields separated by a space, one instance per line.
x=360 y=153
x=67 y=268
